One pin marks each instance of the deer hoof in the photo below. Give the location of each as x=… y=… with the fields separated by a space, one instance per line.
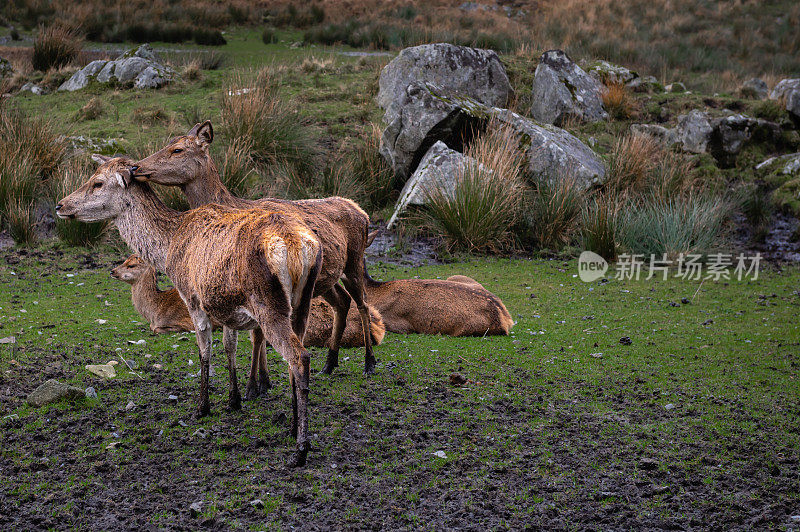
x=328 y=369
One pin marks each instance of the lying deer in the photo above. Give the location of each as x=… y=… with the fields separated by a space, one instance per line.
x=458 y=306
x=245 y=268
x=339 y=223
x=166 y=312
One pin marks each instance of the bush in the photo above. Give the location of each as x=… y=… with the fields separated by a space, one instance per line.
x=598 y=227
x=769 y=110
x=485 y=203
x=691 y=224
x=34 y=140
x=552 y=212
x=631 y=164
x=55 y=46
x=73 y=232
x=21 y=221
x=18 y=185
x=191 y=71
x=269 y=35
x=253 y=111
x=148 y=116
x=209 y=37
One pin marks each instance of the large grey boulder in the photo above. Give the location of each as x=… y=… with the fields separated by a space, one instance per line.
x=52 y=391
x=460 y=70
x=561 y=90
x=694 y=131
x=755 y=88
x=788 y=90
x=426 y=116
x=785 y=165
x=732 y=133
x=137 y=67
x=438 y=170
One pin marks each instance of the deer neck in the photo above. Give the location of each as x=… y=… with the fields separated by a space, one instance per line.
x=145 y=287
x=147 y=225
x=207 y=187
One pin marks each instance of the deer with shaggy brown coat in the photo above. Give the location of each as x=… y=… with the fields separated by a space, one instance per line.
x=339 y=223
x=458 y=306
x=249 y=269
x=166 y=312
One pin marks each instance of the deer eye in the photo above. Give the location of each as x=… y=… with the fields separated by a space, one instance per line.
x=177 y=150
x=97 y=184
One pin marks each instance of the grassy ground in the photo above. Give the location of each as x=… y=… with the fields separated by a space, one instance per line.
x=545 y=433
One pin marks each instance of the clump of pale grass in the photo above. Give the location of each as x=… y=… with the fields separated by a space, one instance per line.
x=253 y=110
x=618 y=101
x=55 y=46
x=485 y=203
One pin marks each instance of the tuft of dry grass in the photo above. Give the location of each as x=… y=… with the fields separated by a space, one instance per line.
x=485 y=204
x=618 y=101
x=599 y=219
x=192 y=71
x=93 y=109
x=253 y=110
x=631 y=164
x=149 y=116
x=317 y=64
x=552 y=212
x=54 y=47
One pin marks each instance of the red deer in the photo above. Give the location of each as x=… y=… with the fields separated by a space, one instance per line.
x=246 y=268
x=166 y=312
x=458 y=306
x=339 y=224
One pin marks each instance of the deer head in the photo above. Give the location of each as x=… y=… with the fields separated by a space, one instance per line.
x=103 y=196
x=180 y=161
x=131 y=270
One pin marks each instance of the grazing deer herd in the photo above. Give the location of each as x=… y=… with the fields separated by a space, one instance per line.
x=287 y=271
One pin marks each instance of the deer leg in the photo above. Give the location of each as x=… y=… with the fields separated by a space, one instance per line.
x=257 y=365
x=278 y=332
x=229 y=341
x=264 y=383
x=294 y=403
x=340 y=301
x=202 y=327
x=355 y=286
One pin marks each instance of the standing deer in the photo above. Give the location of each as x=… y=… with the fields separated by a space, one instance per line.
x=339 y=224
x=245 y=268
x=166 y=312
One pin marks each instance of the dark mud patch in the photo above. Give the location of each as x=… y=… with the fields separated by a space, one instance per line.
x=390 y=248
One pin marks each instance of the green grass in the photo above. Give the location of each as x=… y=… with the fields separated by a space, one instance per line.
x=537 y=403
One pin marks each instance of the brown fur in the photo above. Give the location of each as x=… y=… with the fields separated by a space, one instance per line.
x=459 y=306
x=238 y=266
x=339 y=223
x=166 y=311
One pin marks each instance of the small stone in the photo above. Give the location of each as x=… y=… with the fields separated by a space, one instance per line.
x=648 y=464
x=102 y=322
x=182 y=423
x=137 y=342
x=257 y=503
x=669 y=406
x=172 y=398
x=130 y=406
x=113 y=445
x=200 y=433
x=795 y=517
x=596 y=355
x=8 y=340
x=157 y=366
x=440 y=454
x=90 y=393
x=52 y=391
x=457 y=379
x=102 y=370
x=685 y=300
x=626 y=340
x=112 y=362
x=196 y=508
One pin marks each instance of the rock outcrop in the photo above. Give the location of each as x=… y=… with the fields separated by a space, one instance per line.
x=788 y=91
x=139 y=68
x=52 y=391
x=562 y=90
x=438 y=170
x=755 y=88
x=724 y=138
x=426 y=116
x=606 y=73
x=460 y=70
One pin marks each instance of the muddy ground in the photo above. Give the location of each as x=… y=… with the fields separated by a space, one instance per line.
x=527 y=444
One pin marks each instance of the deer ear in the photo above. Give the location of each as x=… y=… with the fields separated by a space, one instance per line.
x=371 y=238
x=124 y=178
x=100 y=159
x=205 y=133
